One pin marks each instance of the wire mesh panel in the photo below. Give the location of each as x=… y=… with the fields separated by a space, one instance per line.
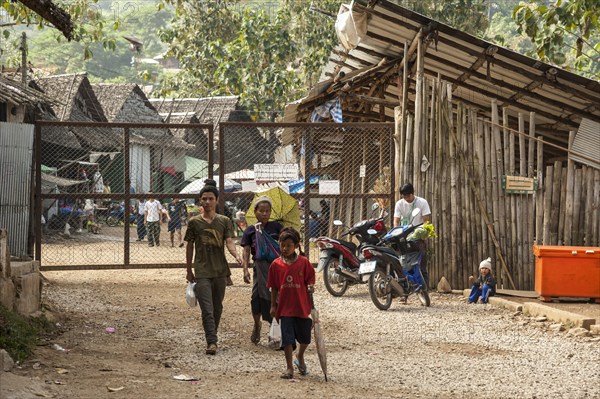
x=94 y=180
x=347 y=168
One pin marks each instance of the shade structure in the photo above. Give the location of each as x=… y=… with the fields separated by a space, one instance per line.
x=197 y=185
x=285 y=208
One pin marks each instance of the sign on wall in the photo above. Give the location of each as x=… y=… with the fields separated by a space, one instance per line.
x=519 y=184
x=275 y=171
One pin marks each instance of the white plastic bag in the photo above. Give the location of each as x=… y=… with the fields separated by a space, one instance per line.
x=190 y=297
x=275 y=335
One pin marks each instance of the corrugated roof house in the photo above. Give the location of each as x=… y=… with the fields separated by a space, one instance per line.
x=214 y=110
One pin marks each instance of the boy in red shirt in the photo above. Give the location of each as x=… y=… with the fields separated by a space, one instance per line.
x=291 y=279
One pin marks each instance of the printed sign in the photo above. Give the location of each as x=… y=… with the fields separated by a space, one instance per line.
x=363 y=171
x=329 y=186
x=519 y=185
x=275 y=171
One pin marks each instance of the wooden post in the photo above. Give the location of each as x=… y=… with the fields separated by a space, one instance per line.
x=528 y=266
x=507 y=207
x=539 y=195
x=555 y=203
x=562 y=202
x=481 y=180
x=417 y=142
x=567 y=237
x=522 y=203
x=577 y=236
x=589 y=203
x=547 y=203
x=596 y=210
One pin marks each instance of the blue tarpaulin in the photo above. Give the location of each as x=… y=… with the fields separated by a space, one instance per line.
x=297 y=186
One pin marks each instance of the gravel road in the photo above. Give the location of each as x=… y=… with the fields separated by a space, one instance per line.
x=446 y=351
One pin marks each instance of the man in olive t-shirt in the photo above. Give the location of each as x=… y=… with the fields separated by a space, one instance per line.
x=208 y=234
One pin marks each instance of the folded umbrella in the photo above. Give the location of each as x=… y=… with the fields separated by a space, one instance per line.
x=319 y=341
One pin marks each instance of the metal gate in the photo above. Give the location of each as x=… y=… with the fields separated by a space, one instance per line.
x=91 y=176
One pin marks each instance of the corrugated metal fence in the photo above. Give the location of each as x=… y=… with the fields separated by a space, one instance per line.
x=16 y=147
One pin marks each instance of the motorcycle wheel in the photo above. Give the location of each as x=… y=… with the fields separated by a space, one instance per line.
x=424 y=298
x=423 y=294
x=335 y=284
x=112 y=221
x=380 y=290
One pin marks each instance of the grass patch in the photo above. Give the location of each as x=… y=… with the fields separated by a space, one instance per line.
x=20 y=334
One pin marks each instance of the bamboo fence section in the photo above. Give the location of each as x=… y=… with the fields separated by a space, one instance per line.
x=474 y=216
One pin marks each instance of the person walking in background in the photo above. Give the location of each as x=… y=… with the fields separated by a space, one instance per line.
x=291 y=279
x=260 y=302
x=485 y=285
x=141 y=226
x=152 y=219
x=208 y=234
x=176 y=211
x=403 y=216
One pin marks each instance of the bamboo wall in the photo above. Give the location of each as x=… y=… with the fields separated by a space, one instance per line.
x=473 y=216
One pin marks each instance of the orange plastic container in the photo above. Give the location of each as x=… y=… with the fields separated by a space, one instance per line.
x=567 y=271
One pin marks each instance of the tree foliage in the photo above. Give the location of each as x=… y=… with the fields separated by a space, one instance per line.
x=565 y=33
x=90 y=26
x=467 y=15
x=264 y=56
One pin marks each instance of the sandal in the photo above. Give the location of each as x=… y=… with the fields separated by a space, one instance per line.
x=255 y=337
x=301 y=368
x=287 y=375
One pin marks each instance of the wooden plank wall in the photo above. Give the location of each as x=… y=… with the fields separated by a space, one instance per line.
x=473 y=216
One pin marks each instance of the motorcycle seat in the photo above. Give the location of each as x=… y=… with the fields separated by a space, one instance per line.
x=387 y=250
x=350 y=245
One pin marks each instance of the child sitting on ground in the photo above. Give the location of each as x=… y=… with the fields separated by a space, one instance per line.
x=291 y=279
x=485 y=285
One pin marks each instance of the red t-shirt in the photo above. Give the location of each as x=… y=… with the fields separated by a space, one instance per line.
x=291 y=281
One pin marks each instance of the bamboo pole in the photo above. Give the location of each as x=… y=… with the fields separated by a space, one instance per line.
x=539 y=195
x=596 y=210
x=418 y=113
x=547 y=203
x=567 y=233
x=466 y=259
x=589 y=201
x=481 y=180
x=483 y=212
x=514 y=219
x=555 y=203
x=439 y=193
x=501 y=214
x=453 y=212
x=403 y=126
x=408 y=166
x=528 y=267
x=522 y=204
x=563 y=200
x=507 y=209
x=577 y=236
x=445 y=180
x=474 y=220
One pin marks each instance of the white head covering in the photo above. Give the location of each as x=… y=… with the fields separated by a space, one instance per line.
x=487 y=263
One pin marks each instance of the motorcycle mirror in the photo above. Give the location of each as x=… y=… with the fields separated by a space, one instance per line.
x=375 y=206
x=338 y=223
x=372 y=232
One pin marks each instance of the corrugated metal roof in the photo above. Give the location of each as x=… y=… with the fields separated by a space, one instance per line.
x=478 y=70
x=587 y=143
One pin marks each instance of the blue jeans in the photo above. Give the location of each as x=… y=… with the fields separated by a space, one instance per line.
x=477 y=291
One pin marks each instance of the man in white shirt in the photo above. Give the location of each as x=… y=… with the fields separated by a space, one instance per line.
x=403 y=216
x=152 y=219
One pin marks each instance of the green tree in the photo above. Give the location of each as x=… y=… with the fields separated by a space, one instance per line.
x=565 y=33
x=89 y=25
x=467 y=15
x=140 y=21
x=266 y=56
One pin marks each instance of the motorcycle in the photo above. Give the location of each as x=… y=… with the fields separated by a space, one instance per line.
x=394 y=267
x=339 y=260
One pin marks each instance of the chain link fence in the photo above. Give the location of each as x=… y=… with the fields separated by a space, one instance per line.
x=94 y=176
